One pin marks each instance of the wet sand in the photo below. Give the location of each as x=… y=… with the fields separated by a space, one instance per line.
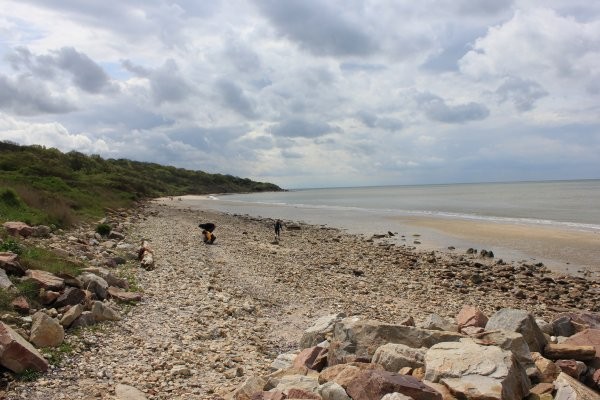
x=562 y=250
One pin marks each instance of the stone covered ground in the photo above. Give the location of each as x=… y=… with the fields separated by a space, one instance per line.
x=213 y=315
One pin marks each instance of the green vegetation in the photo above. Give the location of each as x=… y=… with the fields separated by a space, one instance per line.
x=41 y=185
x=38 y=258
x=55 y=355
x=103 y=229
x=29 y=375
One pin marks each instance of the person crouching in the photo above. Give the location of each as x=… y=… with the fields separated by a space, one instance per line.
x=208 y=237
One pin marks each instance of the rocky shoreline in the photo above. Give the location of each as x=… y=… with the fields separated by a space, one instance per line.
x=213 y=316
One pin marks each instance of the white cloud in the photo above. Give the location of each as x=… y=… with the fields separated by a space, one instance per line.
x=370 y=91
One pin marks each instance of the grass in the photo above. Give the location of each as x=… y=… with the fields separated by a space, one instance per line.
x=55 y=355
x=29 y=375
x=38 y=258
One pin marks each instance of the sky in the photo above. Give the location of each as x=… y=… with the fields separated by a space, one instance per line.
x=311 y=93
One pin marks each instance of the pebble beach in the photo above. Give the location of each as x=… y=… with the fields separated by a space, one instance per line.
x=213 y=315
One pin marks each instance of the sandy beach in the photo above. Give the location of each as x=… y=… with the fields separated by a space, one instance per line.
x=213 y=315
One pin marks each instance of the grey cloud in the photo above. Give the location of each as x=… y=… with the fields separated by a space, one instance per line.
x=373 y=121
x=523 y=93
x=26 y=97
x=234 y=97
x=317 y=27
x=365 y=67
x=167 y=83
x=137 y=70
x=83 y=71
x=289 y=154
x=483 y=7
x=242 y=57
x=299 y=127
x=436 y=109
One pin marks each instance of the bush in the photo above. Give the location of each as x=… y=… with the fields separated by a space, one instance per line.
x=9 y=198
x=11 y=245
x=103 y=229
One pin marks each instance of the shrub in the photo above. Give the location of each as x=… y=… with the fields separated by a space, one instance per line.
x=11 y=245
x=9 y=198
x=103 y=229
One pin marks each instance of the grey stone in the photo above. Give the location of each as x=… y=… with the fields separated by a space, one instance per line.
x=126 y=392
x=95 y=284
x=332 y=391
x=394 y=356
x=71 y=315
x=102 y=312
x=476 y=371
x=46 y=331
x=568 y=388
x=5 y=283
x=437 y=323
x=520 y=321
x=320 y=329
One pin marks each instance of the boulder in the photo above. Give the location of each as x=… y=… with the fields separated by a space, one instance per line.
x=70 y=297
x=20 y=304
x=85 y=319
x=41 y=231
x=17 y=354
x=46 y=331
x=70 y=280
x=47 y=297
x=283 y=361
x=9 y=263
x=332 y=391
x=121 y=295
x=44 y=279
x=513 y=341
x=319 y=330
x=569 y=351
x=580 y=320
x=71 y=315
x=343 y=374
x=274 y=395
x=126 y=392
x=356 y=340
x=548 y=371
x=294 y=393
x=436 y=323
x=588 y=337
x=95 y=284
x=374 y=384
x=5 y=283
x=573 y=368
x=101 y=312
x=568 y=388
x=396 y=396
x=18 y=229
x=312 y=358
x=471 y=316
x=520 y=321
x=309 y=383
x=473 y=371
x=393 y=357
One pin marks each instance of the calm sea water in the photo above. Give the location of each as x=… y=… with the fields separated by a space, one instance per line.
x=564 y=204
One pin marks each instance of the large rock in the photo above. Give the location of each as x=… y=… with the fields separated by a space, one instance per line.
x=356 y=339
x=283 y=361
x=18 y=229
x=332 y=391
x=85 y=319
x=588 y=337
x=71 y=315
x=46 y=331
x=121 y=295
x=95 y=284
x=473 y=371
x=343 y=374
x=520 y=321
x=44 y=279
x=70 y=297
x=312 y=358
x=374 y=384
x=513 y=341
x=436 y=323
x=320 y=330
x=17 y=354
x=471 y=316
x=246 y=390
x=568 y=388
x=309 y=383
x=102 y=312
x=394 y=356
x=9 y=263
x=5 y=283
x=579 y=321
x=548 y=371
x=569 y=351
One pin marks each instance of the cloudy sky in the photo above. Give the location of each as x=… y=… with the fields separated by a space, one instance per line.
x=311 y=93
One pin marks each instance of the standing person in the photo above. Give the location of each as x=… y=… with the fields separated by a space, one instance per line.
x=278 y=227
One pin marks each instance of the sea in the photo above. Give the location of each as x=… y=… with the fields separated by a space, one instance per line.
x=561 y=205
